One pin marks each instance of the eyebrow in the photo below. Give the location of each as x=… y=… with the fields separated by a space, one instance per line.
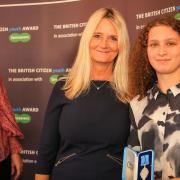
x=163 y=39
x=105 y=33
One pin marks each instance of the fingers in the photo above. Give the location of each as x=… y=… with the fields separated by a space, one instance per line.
x=12 y=169
x=16 y=172
x=16 y=166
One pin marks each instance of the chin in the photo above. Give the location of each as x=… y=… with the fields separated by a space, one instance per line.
x=165 y=71
x=104 y=60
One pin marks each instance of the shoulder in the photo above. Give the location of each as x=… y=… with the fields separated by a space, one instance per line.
x=137 y=106
x=136 y=102
x=59 y=84
x=57 y=96
x=58 y=88
x=144 y=101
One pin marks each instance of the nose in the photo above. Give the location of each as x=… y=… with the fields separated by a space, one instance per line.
x=162 y=50
x=104 y=43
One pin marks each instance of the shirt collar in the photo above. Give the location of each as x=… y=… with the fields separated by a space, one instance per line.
x=175 y=89
x=155 y=91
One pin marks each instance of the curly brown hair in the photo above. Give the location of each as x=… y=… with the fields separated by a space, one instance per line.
x=141 y=74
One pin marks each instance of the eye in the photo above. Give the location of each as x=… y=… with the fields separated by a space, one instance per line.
x=114 y=38
x=153 y=45
x=171 y=43
x=97 y=36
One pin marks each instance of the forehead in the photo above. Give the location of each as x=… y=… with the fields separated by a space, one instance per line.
x=162 y=32
x=106 y=26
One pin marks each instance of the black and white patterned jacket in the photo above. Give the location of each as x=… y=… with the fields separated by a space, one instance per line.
x=156 y=125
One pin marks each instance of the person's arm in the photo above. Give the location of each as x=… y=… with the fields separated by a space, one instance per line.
x=41 y=177
x=133 y=141
x=16 y=160
x=8 y=122
x=50 y=138
x=11 y=132
x=16 y=165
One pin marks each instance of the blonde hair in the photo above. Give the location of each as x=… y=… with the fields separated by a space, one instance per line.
x=78 y=79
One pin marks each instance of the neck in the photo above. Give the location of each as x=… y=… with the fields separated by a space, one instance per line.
x=101 y=72
x=166 y=81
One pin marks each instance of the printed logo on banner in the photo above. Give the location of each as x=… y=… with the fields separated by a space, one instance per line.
x=177 y=8
x=29 y=74
x=157 y=12
x=22 y=114
x=55 y=77
x=19 y=34
x=177 y=16
x=61 y=72
x=19 y=29
x=19 y=37
x=23 y=118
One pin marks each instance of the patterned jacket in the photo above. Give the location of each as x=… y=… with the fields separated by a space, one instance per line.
x=156 y=125
x=9 y=131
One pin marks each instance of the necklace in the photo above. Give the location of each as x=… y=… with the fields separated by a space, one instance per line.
x=99 y=87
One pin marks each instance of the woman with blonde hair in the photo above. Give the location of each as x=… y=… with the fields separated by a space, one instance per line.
x=86 y=124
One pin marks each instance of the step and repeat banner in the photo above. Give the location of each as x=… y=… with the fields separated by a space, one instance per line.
x=38 y=44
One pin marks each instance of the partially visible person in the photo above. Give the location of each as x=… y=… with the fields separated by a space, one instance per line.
x=155 y=86
x=87 y=119
x=10 y=159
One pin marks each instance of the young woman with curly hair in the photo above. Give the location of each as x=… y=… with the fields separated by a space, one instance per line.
x=155 y=88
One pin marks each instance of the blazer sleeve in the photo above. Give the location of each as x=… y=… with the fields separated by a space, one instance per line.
x=50 y=137
x=15 y=146
x=7 y=118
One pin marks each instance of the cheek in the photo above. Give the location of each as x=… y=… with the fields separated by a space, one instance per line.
x=93 y=44
x=150 y=55
x=150 y=58
x=90 y=45
x=92 y=49
x=114 y=48
x=177 y=54
x=115 y=53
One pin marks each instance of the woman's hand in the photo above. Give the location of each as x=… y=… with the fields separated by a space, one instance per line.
x=16 y=165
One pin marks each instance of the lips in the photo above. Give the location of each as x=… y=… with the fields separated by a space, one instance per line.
x=105 y=52
x=162 y=60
